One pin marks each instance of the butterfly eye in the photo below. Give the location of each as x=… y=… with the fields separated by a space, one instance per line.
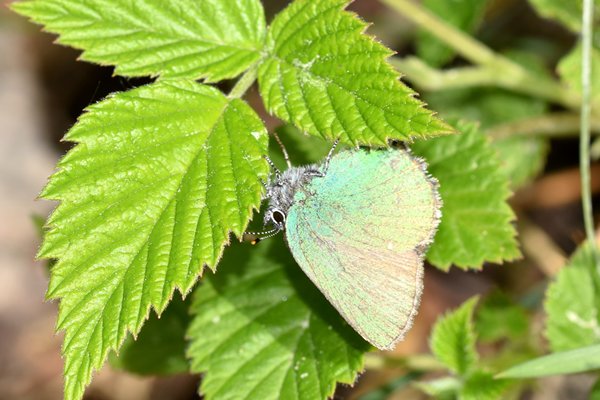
x=278 y=217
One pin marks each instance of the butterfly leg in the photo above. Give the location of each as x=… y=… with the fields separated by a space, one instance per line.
x=273 y=167
x=329 y=155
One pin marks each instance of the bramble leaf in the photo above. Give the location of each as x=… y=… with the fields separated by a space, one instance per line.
x=326 y=77
x=211 y=39
x=462 y=14
x=453 y=339
x=159 y=177
x=572 y=305
x=476 y=219
x=262 y=330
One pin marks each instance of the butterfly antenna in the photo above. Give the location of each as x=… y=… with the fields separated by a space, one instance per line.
x=329 y=155
x=267 y=234
x=283 y=150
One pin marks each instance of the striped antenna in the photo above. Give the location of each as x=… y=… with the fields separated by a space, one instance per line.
x=283 y=150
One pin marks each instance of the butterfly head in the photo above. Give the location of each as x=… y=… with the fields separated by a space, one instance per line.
x=275 y=217
x=280 y=190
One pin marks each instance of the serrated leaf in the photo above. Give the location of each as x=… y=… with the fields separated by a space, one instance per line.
x=159 y=348
x=462 y=14
x=481 y=385
x=453 y=339
x=211 y=39
x=326 y=77
x=476 y=219
x=564 y=362
x=569 y=69
x=159 y=177
x=571 y=305
x=262 y=330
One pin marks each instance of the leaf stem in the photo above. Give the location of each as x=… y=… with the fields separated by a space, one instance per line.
x=559 y=124
x=244 y=83
x=506 y=73
x=585 y=127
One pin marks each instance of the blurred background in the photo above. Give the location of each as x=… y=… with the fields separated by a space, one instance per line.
x=43 y=88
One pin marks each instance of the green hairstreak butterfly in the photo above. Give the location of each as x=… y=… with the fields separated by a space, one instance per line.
x=358 y=225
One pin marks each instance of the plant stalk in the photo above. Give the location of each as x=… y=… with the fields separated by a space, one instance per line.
x=243 y=84
x=584 y=137
x=559 y=124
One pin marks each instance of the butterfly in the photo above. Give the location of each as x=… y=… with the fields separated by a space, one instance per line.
x=359 y=224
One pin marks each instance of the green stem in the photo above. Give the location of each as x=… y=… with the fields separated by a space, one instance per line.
x=506 y=73
x=244 y=83
x=584 y=138
x=428 y=78
x=560 y=124
x=464 y=44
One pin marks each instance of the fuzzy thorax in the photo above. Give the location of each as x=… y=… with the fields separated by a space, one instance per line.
x=282 y=189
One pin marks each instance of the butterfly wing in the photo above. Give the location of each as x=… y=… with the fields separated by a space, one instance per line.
x=360 y=233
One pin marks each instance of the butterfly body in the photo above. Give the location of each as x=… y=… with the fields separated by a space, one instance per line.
x=358 y=226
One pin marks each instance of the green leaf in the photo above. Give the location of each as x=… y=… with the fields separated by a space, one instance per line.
x=159 y=177
x=521 y=158
x=453 y=339
x=569 y=69
x=565 y=362
x=481 y=385
x=211 y=39
x=159 y=349
x=326 y=77
x=571 y=305
x=476 y=220
x=462 y=14
x=262 y=330
x=500 y=318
